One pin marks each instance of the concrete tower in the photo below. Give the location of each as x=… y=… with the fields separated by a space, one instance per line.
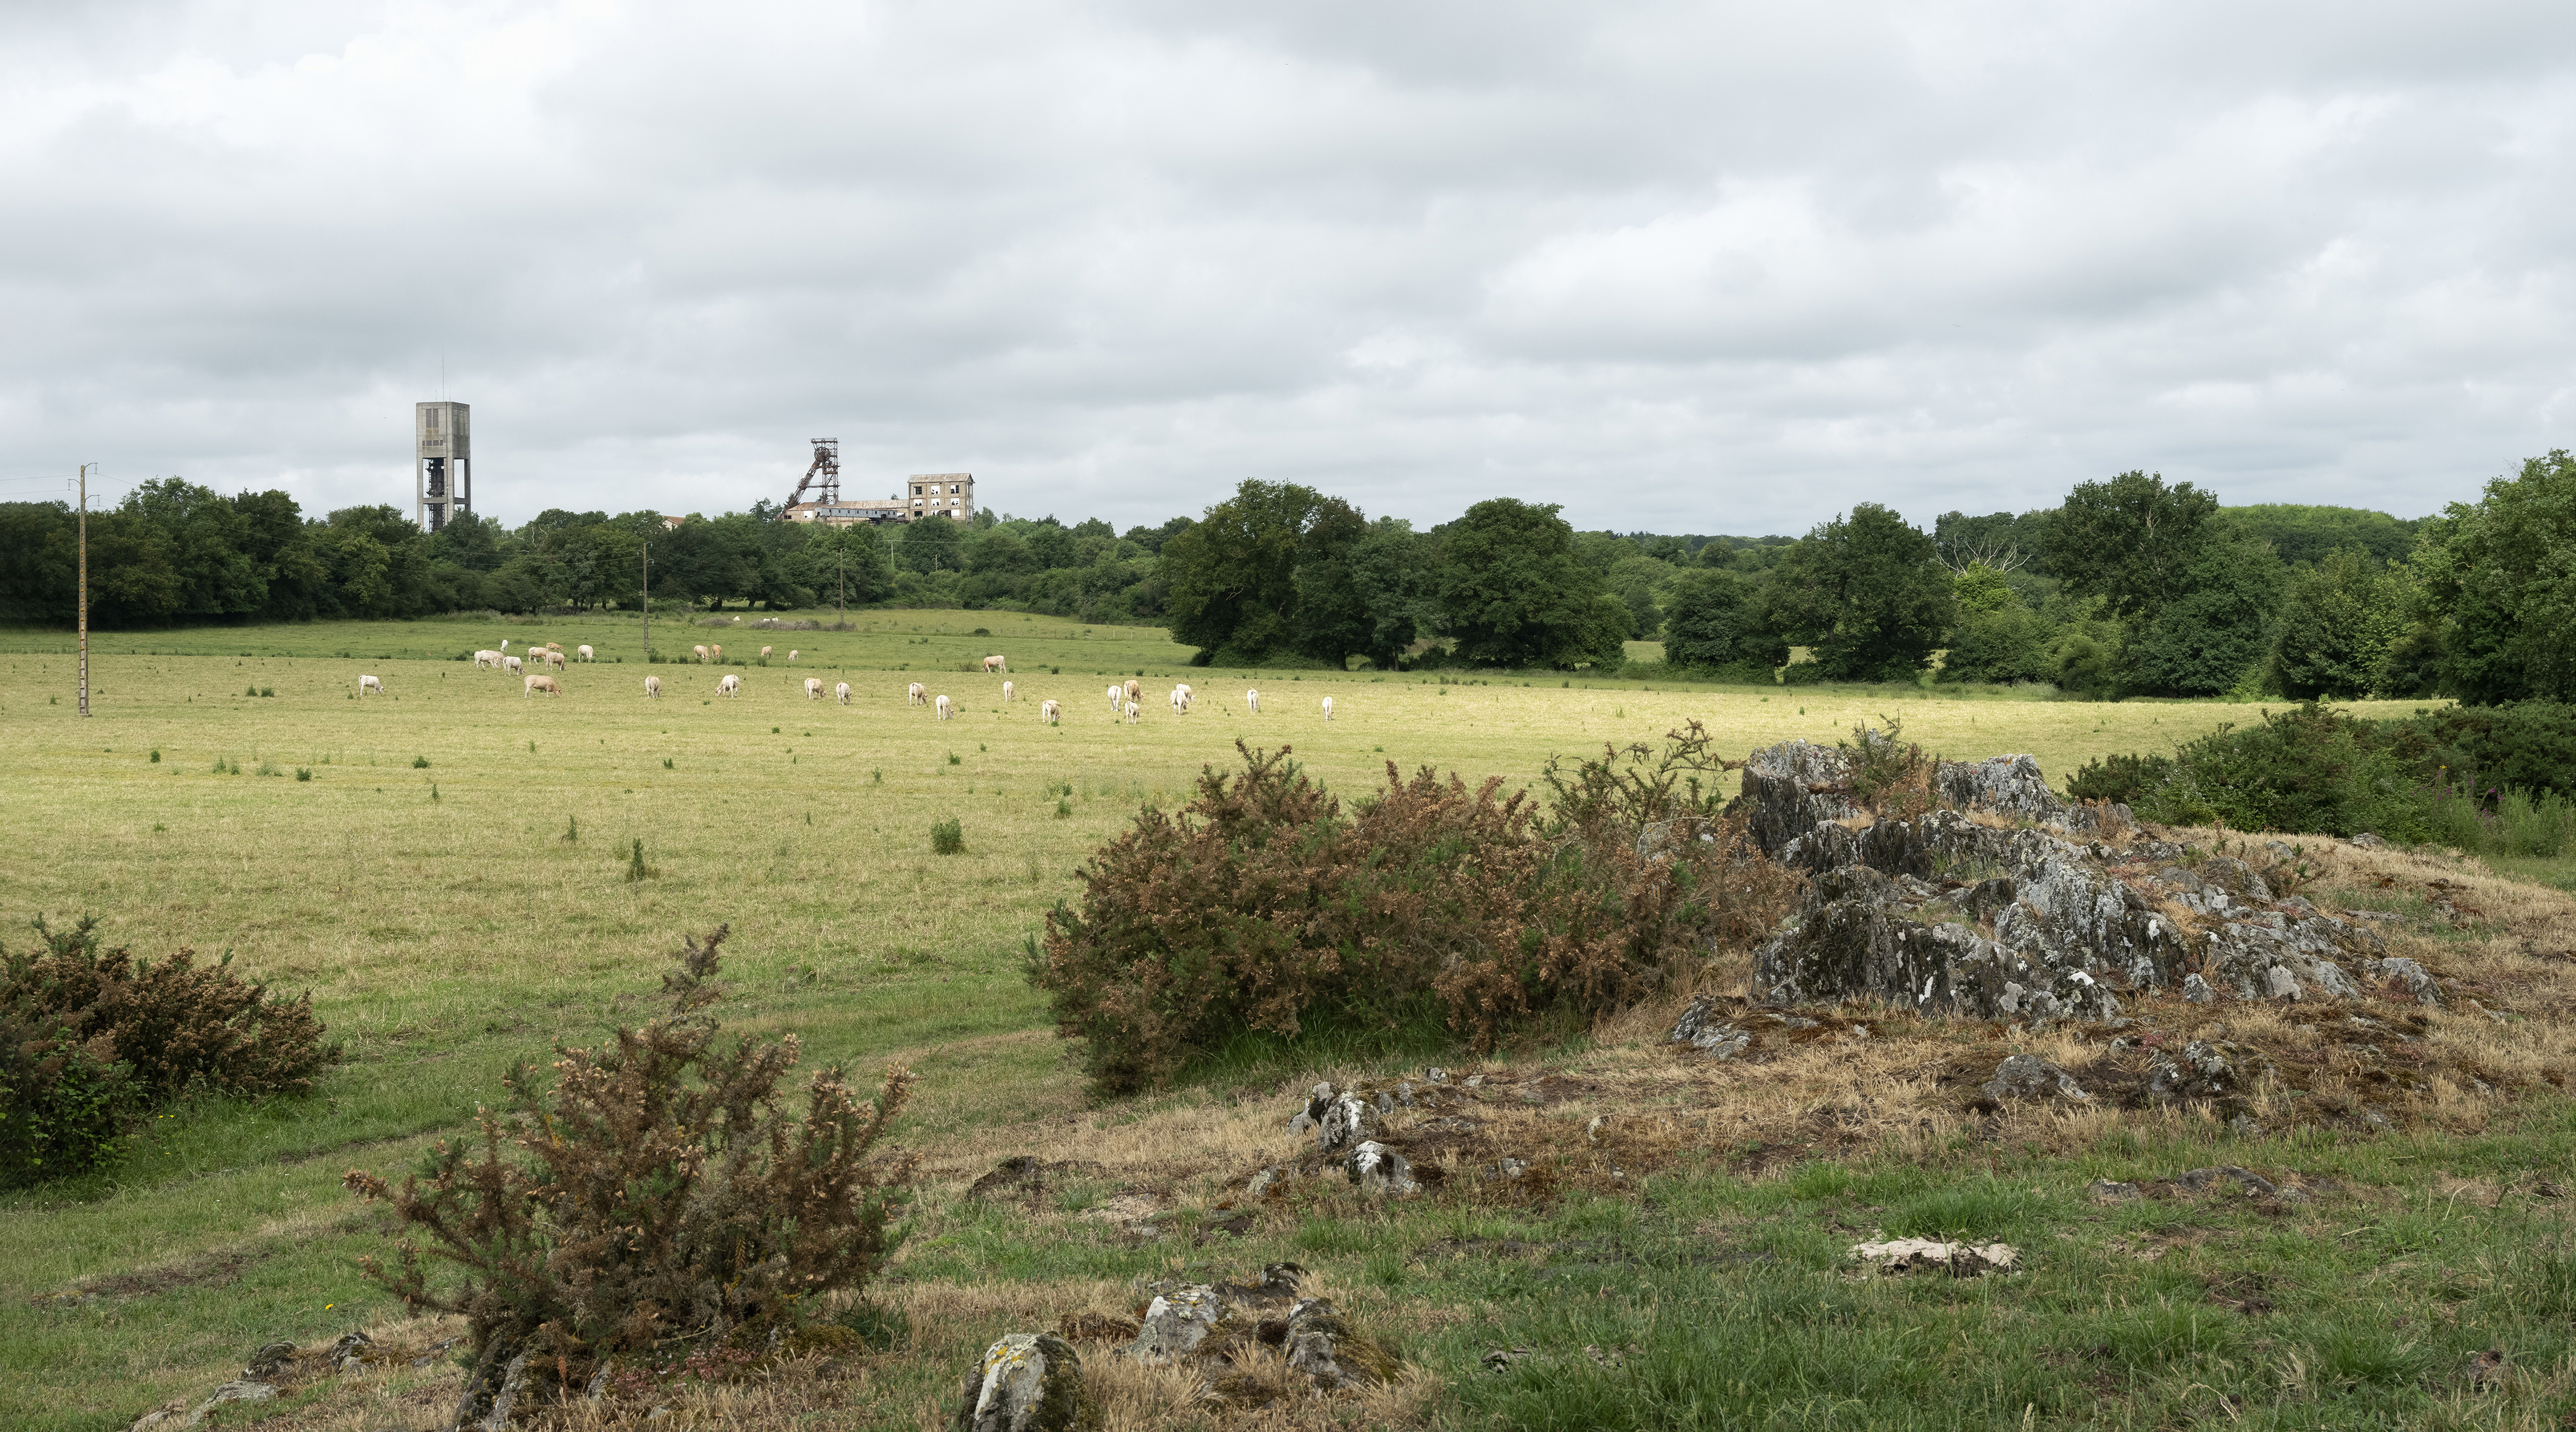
x=443 y=469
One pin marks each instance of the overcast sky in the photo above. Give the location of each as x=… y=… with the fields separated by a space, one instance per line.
x=1682 y=268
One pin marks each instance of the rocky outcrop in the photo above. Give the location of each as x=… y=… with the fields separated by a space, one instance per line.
x=2008 y=902
x=2027 y=1076
x=1027 y=1382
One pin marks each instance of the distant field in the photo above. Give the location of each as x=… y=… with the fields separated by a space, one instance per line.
x=453 y=916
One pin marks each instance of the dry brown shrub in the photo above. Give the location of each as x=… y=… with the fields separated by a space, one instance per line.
x=1262 y=906
x=658 y=1201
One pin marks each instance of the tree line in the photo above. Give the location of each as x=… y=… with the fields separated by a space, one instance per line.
x=2129 y=586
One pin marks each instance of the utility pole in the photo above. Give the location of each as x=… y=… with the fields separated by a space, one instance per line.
x=648 y=601
x=841 y=604
x=84 y=587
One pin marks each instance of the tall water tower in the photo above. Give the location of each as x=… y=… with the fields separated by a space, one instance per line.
x=443 y=469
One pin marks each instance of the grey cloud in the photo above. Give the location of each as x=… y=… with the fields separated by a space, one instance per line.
x=1686 y=267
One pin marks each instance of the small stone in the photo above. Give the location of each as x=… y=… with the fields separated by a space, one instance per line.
x=1263 y=1182
x=1176 y=1322
x=1379 y=1169
x=1435 y=1075
x=2367 y=840
x=1511 y=1168
x=2201 y=1179
x=1475 y=1081
x=1027 y=1382
x=2279 y=983
x=1959 y=1260
x=1325 y=1348
x=1300 y=1122
x=2027 y=1076
x=2103 y=1190
x=270 y=1356
x=2197 y=990
x=239 y=1391
x=1346 y=1120
x=1592 y=1131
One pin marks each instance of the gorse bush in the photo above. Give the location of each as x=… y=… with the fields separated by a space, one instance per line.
x=65 y=1103
x=948 y=837
x=660 y=1196
x=1263 y=905
x=181 y=1027
x=91 y=1037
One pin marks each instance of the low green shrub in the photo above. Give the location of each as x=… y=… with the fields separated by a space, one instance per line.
x=66 y=1104
x=948 y=837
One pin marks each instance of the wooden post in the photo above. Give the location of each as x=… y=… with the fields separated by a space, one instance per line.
x=648 y=602
x=84 y=587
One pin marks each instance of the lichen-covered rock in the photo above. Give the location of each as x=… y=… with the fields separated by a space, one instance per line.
x=1700 y=1028
x=1959 y=1260
x=1026 y=1382
x=1346 y=1119
x=2204 y=1069
x=1324 y=1347
x=2011 y=903
x=1379 y=1169
x=1176 y=1322
x=2027 y=1076
x=2418 y=982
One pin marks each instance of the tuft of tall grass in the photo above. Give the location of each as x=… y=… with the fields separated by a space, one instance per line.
x=948 y=837
x=2505 y=820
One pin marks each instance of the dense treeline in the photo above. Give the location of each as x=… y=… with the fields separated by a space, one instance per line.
x=2130 y=586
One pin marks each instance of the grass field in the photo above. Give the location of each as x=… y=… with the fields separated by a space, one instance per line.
x=444 y=868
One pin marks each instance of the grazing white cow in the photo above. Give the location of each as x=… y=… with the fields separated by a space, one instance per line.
x=730 y=686
x=718 y=649
x=699 y=652
x=652 y=687
x=1007 y=692
x=1252 y=702
x=1135 y=691
x=841 y=692
x=369 y=683
x=546 y=684
x=992 y=664
x=1135 y=713
x=791 y=656
x=945 y=710
x=512 y=665
x=917 y=694
x=554 y=658
x=1118 y=698
x=586 y=653
x=1049 y=712
x=764 y=653
x=1180 y=699
x=1328 y=708
x=813 y=688
x=505 y=646
x=487 y=658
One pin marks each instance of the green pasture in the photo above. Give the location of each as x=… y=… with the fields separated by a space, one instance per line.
x=444 y=868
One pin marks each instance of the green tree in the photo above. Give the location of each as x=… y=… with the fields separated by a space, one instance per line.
x=931 y=546
x=2217 y=626
x=1514 y=593
x=1981 y=589
x=1868 y=594
x=2129 y=541
x=1715 y=621
x=1333 y=620
x=2339 y=622
x=1230 y=579
x=2000 y=643
x=2499 y=586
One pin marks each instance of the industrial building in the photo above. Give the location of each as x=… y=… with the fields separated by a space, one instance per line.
x=817 y=497
x=442 y=470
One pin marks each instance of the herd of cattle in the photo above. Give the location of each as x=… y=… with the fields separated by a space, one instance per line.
x=1124 y=700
